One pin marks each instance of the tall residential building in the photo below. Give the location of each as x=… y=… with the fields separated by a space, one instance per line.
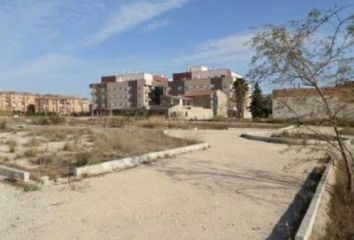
x=25 y=102
x=125 y=91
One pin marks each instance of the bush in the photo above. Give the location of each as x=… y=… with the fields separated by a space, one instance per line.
x=55 y=120
x=3 y=125
x=12 y=145
x=136 y=112
x=31 y=153
x=50 y=120
x=82 y=159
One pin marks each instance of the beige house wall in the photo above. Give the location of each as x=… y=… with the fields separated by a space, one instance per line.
x=221 y=108
x=309 y=107
x=190 y=113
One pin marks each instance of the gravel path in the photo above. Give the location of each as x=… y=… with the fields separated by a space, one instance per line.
x=238 y=189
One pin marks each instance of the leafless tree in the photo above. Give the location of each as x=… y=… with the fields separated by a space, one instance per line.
x=316 y=51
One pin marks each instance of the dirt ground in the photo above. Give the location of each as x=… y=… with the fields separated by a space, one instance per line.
x=238 y=189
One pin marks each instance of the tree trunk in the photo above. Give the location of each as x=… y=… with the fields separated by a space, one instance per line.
x=348 y=164
x=346 y=160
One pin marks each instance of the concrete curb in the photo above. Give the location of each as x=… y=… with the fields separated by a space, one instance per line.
x=14 y=173
x=305 y=230
x=272 y=139
x=286 y=128
x=266 y=137
x=130 y=162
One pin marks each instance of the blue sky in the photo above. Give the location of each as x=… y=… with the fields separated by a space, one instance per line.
x=60 y=46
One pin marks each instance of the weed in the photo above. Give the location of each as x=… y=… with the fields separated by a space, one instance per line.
x=82 y=159
x=27 y=187
x=33 y=142
x=3 y=126
x=12 y=145
x=30 y=187
x=341 y=212
x=32 y=152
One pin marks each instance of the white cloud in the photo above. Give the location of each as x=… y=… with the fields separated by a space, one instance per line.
x=155 y=25
x=230 y=48
x=45 y=65
x=131 y=15
x=230 y=51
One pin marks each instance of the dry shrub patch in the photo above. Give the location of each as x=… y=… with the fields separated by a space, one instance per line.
x=26 y=187
x=347 y=131
x=57 y=151
x=341 y=213
x=305 y=136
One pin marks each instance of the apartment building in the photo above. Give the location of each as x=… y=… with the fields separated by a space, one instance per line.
x=30 y=103
x=17 y=102
x=125 y=91
x=63 y=105
x=306 y=103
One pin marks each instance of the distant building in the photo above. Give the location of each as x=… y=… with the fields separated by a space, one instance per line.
x=126 y=91
x=62 y=104
x=306 y=103
x=24 y=102
x=202 y=79
x=200 y=105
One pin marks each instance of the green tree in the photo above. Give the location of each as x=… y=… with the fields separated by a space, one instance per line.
x=315 y=51
x=257 y=102
x=241 y=89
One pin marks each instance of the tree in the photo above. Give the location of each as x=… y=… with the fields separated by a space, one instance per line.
x=256 y=102
x=241 y=89
x=314 y=52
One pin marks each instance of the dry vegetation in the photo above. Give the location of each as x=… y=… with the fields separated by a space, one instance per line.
x=56 y=151
x=162 y=122
x=341 y=210
x=304 y=136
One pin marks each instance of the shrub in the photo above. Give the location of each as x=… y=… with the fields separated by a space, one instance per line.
x=82 y=159
x=3 y=125
x=12 y=145
x=55 y=120
x=33 y=142
x=29 y=187
x=49 y=120
x=32 y=152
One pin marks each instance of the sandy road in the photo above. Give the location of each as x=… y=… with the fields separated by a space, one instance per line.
x=238 y=189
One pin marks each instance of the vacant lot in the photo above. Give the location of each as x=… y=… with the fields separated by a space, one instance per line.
x=55 y=151
x=238 y=189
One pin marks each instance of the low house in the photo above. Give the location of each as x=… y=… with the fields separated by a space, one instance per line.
x=307 y=103
x=197 y=105
x=215 y=100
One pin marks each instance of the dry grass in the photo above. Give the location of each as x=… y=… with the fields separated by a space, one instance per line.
x=26 y=187
x=29 y=153
x=56 y=151
x=341 y=213
x=162 y=122
x=347 y=131
x=305 y=136
x=12 y=145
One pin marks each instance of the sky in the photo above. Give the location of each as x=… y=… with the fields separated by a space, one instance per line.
x=61 y=46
